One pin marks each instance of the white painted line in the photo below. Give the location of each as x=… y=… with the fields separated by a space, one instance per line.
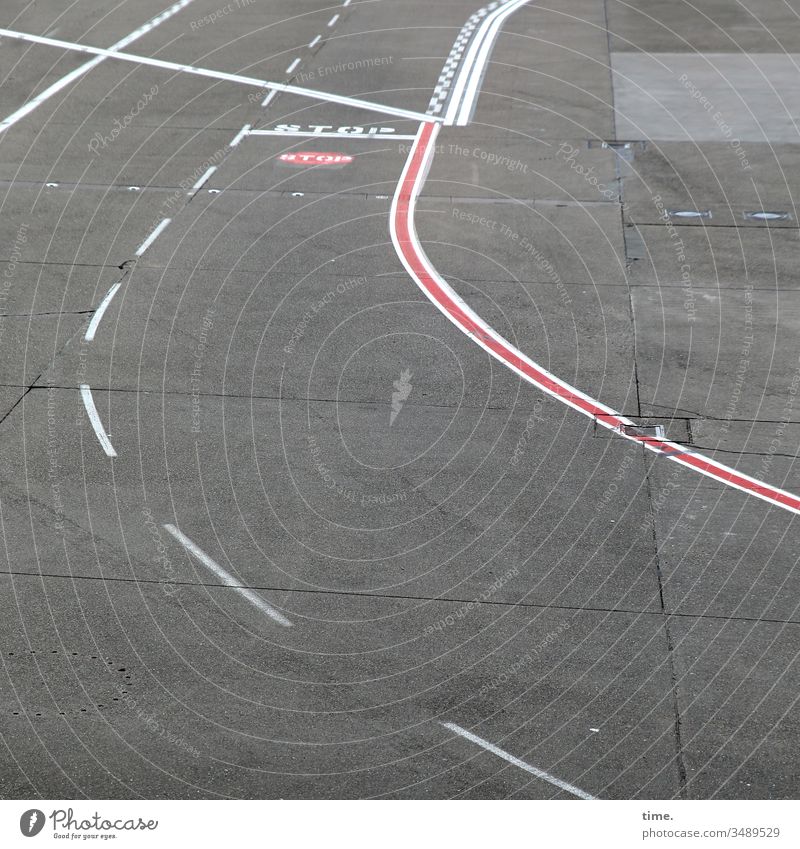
x=226 y=577
x=78 y=72
x=153 y=236
x=268 y=99
x=330 y=135
x=470 y=78
x=315 y=41
x=240 y=135
x=333 y=20
x=100 y=311
x=346 y=2
x=91 y=411
x=220 y=75
x=294 y=64
x=200 y=183
x=506 y=756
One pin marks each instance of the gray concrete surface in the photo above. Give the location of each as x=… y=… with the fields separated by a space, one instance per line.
x=486 y=556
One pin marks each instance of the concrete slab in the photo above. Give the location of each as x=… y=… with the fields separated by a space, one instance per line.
x=728 y=673
x=719 y=257
x=715 y=97
x=716 y=26
x=719 y=355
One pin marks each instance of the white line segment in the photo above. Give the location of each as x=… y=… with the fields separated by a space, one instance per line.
x=470 y=77
x=100 y=311
x=153 y=236
x=226 y=577
x=507 y=756
x=94 y=418
x=220 y=75
x=315 y=41
x=204 y=179
x=92 y=63
x=294 y=64
x=268 y=99
x=245 y=131
x=331 y=135
x=333 y=20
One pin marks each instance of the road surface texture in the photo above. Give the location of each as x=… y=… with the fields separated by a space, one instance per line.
x=399 y=399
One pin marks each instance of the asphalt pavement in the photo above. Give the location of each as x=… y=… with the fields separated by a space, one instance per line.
x=276 y=523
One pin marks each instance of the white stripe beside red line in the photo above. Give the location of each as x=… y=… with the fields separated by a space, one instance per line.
x=444 y=297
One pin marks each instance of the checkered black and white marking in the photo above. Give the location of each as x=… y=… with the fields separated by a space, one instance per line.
x=441 y=92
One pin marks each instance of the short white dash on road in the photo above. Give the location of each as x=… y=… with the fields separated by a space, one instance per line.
x=226 y=577
x=333 y=20
x=240 y=135
x=92 y=63
x=99 y=312
x=293 y=65
x=162 y=226
x=346 y=3
x=506 y=756
x=315 y=41
x=203 y=180
x=269 y=98
x=94 y=418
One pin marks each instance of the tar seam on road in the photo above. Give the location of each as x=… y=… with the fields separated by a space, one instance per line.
x=507 y=756
x=226 y=577
x=78 y=72
x=94 y=418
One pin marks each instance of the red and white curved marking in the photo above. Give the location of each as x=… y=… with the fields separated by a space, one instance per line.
x=444 y=297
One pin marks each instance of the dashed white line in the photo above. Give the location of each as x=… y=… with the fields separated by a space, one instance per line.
x=99 y=312
x=226 y=577
x=221 y=75
x=507 y=756
x=153 y=236
x=268 y=99
x=203 y=180
x=78 y=72
x=94 y=418
x=346 y=3
x=315 y=41
x=333 y=20
x=293 y=65
x=240 y=135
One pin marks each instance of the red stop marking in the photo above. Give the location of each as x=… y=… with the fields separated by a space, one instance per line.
x=312 y=158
